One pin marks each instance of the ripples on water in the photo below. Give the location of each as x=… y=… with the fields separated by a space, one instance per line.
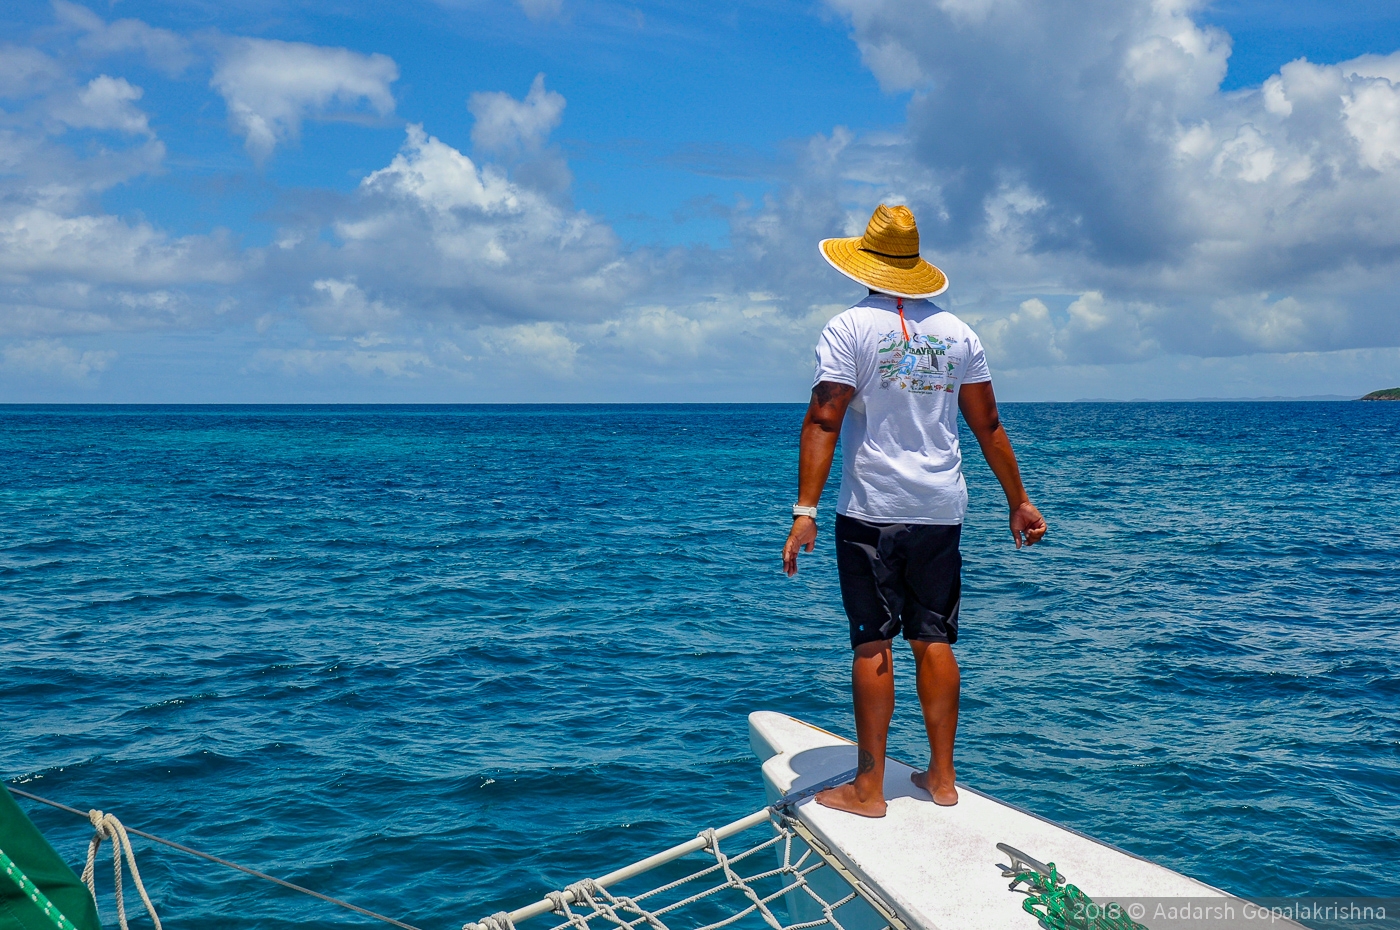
x=440 y=660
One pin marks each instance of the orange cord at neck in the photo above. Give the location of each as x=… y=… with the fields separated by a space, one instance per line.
x=899 y=303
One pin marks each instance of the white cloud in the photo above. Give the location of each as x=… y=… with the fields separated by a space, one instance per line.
x=389 y=363
x=1090 y=330
x=542 y=9
x=452 y=237
x=105 y=103
x=50 y=357
x=1086 y=148
x=65 y=267
x=163 y=48
x=1255 y=321
x=270 y=87
x=40 y=245
x=54 y=95
x=38 y=167
x=507 y=126
x=67 y=273
x=539 y=347
x=438 y=177
x=516 y=132
x=1024 y=338
x=1372 y=113
x=25 y=71
x=339 y=306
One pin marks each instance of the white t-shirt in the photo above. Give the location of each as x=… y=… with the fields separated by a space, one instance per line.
x=900 y=457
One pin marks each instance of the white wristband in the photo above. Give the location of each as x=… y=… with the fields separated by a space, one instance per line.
x=799 y=511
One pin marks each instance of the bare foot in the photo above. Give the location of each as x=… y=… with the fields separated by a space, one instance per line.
x=847 y=798
x=943 y=795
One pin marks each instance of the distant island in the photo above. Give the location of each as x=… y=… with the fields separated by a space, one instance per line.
x=1387 y=394
x=1218 y=400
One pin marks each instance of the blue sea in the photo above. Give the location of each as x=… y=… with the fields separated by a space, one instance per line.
x=440 y=660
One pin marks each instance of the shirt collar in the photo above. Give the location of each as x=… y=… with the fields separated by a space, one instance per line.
x=912 y=305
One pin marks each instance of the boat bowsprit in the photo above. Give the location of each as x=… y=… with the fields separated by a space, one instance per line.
x=796 y=864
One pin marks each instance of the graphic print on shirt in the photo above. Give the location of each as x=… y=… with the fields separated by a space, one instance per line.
x=920 y=366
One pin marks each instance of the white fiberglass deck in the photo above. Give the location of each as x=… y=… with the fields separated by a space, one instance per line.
x=939 y=866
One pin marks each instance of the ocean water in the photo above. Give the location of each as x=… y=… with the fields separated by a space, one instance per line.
x=439 y=660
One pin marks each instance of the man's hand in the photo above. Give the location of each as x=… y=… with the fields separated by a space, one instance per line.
x=802 y=535
x=1027 y=525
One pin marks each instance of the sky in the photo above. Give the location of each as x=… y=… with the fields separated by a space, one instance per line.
x=560 y=201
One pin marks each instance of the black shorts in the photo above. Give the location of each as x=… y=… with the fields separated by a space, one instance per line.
x=899 y=577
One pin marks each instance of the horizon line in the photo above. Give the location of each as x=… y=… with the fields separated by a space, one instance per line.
x=1325 y=398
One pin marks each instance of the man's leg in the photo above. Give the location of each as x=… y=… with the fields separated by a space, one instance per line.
x=872 y=684
x=939 y=684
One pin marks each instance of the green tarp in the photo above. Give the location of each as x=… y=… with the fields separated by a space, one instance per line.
x=26 y=846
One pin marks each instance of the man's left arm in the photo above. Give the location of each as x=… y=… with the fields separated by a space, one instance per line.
x=979 y=409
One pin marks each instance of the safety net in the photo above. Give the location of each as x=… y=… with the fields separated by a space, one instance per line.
x=766 y=870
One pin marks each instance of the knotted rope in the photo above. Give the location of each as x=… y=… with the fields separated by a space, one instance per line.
x=497 y=921
x=1061 y=906
x=108 y=827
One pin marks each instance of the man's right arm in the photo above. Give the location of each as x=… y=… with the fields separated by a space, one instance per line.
x=820 y=429
x=979 y=409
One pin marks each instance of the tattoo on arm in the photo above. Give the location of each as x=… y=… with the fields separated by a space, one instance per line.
x=828 y=392
x=867 y=761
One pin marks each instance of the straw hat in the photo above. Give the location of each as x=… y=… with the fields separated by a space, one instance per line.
x=886 y=258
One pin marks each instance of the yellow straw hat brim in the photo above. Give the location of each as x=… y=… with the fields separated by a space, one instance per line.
x=913 y=278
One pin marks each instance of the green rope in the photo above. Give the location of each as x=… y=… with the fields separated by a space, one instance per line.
x=1059 y=905
x=32 y=892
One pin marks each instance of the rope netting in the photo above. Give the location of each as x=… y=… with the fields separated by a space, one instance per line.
x=783 y=881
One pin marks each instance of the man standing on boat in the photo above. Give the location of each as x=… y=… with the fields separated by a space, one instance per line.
x=902 y=368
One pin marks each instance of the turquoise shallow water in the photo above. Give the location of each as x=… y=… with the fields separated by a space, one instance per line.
x=440 y=660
